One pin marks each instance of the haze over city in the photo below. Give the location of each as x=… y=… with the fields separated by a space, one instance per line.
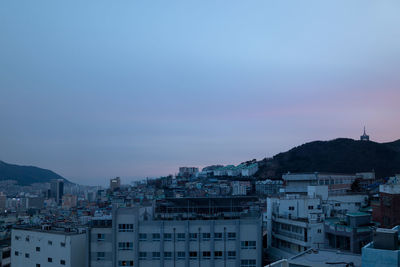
x=97 y=89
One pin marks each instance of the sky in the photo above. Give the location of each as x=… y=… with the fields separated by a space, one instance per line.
x=132 y=88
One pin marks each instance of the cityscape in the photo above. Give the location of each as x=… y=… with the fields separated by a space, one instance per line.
x=214 y=216
x=199 y=133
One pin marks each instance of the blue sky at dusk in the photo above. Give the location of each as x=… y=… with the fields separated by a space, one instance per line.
x=97 y=89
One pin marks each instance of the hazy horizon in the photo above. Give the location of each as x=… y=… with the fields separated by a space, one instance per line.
x=98 y=89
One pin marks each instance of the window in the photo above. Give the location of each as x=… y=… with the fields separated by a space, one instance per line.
x=321 y=182
x=217 y=236
x=156 y=255
x=100 y=237
x=180 y=236
x=156 y=237
x=181 y=255
x=231 y=236
x=291 y=207
x=142 y=237
x=248 y=244
x=167 y=255
x=310 y=207
x=26 y=255
x=167 y=236
x=101 y=256
x=50 y=243
x=125 y=245
x=206 y=255
x=27 y=239
x=231 y=255
x=16 y=253
x=62 y=262
x=193 y=255
x=218 y=254
x=192 y=236
x=17 y=237
x=326 y=181
x=206 y=236
x=248 y=263
x=49 y=259
x=319 y=231
x=125 y=263
x=62 y=244
x=37 y=248
x=337 y=204
x=297 y=229
x=37 y=265
x=142 y=255
x=125 y=227
x=6 y=254
x=332 y=181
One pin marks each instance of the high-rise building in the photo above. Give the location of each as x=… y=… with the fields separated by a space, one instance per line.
x=115 y=183
x=57 y=190
x=3 y=202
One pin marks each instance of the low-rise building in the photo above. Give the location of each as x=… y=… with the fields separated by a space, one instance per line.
x=47 y=247
x=350 y=234
x=387 y=210
x=337 y=183
x=295 y=223
x=384 y=250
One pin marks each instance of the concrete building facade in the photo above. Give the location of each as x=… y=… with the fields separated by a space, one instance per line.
x=48 y=247
x=138 y=239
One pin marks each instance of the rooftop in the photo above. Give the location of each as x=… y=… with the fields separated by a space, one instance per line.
x=358 y=214
x=325 y=257
x=52 y=230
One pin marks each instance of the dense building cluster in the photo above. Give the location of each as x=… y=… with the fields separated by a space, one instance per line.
x=219 y=216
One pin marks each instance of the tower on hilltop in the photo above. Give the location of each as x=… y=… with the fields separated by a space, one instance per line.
x=364 y=137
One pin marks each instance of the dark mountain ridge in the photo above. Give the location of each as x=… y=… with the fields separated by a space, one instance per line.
x=26 y=175
x=340 y=155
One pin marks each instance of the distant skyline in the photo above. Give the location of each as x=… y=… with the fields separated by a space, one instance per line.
x=98 y=89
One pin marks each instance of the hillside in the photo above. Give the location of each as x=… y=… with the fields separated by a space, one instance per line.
x=339 y=156
x=26 y=175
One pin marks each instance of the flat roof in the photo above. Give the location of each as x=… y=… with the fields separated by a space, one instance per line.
x=325 y=258
x=358 y=214
x=383 y=230
x=57 y=231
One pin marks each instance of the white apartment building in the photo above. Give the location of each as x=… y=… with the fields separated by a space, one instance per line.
x=48 y=247
x=139 y=240
x=295 y=223
x=250 y=170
